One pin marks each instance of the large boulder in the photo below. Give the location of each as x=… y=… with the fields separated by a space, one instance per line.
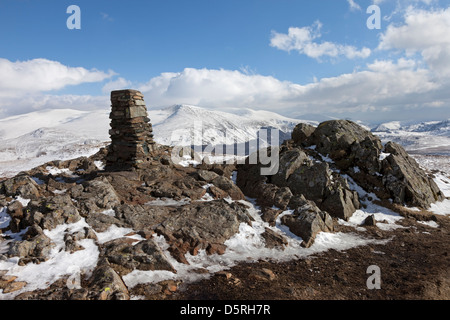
x=301 y=133
x=202 y=226
x=406 y=181
x=289 y=161
x=348 y=144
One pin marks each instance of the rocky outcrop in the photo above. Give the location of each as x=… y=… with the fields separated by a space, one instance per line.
x=299 y=174
x=317 y=165
x=406 y=182
x=301 y=133
x=22 y=185
x=348 y=145
x=387 y=171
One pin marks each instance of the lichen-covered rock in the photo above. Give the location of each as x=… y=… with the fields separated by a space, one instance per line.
x=98 y=195
x=21 y=185
x=106 y=284
x=348 y=144
x=289 y=161
x=307 y=221
x=36 y=246
x=203 y=225
x=301 y=133
x=50 y=212
x=327 y=189
x=406 y=181
x=145 y=255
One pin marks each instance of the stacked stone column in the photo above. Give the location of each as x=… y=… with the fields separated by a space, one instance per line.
x=131 y=131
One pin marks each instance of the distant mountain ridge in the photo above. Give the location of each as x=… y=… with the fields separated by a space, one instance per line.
x=31 y=139
x=431 y=137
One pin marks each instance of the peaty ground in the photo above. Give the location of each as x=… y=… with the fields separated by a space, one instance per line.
x=414 y=265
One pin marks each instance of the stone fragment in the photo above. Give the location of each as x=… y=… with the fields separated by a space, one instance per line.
x=307 y=221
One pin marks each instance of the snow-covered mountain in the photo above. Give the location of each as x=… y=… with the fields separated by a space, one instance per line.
x=31 y=139
x=424 y=137
x=181 y=124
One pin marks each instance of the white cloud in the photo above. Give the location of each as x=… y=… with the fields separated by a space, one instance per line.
x=303 y=41
x=353 y=5
x=384 y=86
x=424 y=32
x=216 y=89
x=40 y=75
x=118 y=84
x=26 y=85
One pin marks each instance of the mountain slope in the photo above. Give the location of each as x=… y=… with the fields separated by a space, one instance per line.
x=38 y=137
x=424 y=137
x=185 y=123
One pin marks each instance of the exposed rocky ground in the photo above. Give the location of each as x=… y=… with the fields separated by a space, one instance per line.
x=173 y=215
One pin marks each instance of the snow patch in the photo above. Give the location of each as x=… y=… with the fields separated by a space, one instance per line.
x=443 y=183
x=59 y=264
x=115 y=232
x=441 y=208
x=431 y=224
x=383 y=156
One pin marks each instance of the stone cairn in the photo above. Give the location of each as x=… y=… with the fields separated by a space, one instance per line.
x=131 y=131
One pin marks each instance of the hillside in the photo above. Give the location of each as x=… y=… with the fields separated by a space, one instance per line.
x=421 y=138
x=31 y=139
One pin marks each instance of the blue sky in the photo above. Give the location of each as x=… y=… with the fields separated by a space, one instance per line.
x=289 y=56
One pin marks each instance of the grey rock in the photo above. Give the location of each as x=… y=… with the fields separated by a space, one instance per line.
x=200 y=225
x=38 y=247
x=106 y=284
x=289 y=161
x=307 y=221
x=302 y=132
x=101 y=194
x=206 y=175
x=145 y=255
x=348 y=144
x=21 y=185
x=408 y=183
x=273 y=239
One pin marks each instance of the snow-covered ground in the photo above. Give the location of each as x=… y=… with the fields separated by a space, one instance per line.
x=30 y=140
x=431 y=137
x=245 y=246
x=35 y=138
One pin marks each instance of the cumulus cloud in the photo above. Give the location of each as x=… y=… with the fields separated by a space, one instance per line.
x=425 y=32
x=40 y=75
x=27 y=85
x=385 y=86
x=217 y=89
x=304 y=39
